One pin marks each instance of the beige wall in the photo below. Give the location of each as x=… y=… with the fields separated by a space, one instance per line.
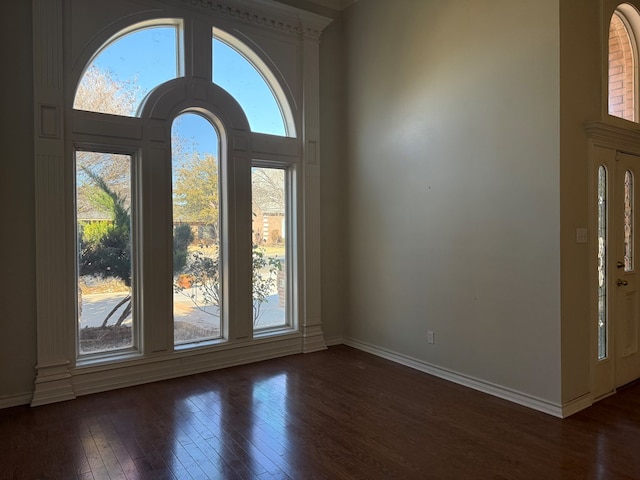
x=454 y=217
x=17 y=242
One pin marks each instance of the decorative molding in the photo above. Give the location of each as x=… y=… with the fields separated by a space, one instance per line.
x=480 y=385
x=54 y=317
x=276 y=16
x=49 y=121
x=51 y=260
x=311 y=286
x=313 y=337
x=614 y=136
x=311 y=153
x=53 y=384
x=47 y=45
x=52 y=381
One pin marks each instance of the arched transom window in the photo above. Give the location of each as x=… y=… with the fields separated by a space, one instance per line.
x=622 y=63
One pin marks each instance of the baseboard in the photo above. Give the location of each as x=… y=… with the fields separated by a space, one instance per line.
x=15 y=400
x=577 y=404
x=514 y=396
x=333 y=341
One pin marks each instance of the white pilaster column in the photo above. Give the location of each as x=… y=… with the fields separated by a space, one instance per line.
x=312 y=318
x=55 y=337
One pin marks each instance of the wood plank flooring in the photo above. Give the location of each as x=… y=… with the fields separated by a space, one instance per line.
x=337 y=414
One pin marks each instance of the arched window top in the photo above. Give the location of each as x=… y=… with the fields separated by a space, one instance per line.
x=129 y=66
x=623 y=63
x=138 y=59
x=243 y=74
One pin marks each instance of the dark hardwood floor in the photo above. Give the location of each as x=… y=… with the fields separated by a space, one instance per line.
x=336 y=414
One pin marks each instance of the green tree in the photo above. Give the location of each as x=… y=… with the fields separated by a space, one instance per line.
x=195 y=198
x=105 y=250
x=182 y=238
x=105 y=246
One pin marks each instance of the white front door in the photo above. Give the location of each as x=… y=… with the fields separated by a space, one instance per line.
x=623 y=268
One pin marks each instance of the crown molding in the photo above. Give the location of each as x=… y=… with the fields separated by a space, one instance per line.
x=265 y=13
x=625 y=138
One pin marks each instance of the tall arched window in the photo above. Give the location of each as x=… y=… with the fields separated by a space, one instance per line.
x=623 y=59
x=196 y=206
x=142 y=275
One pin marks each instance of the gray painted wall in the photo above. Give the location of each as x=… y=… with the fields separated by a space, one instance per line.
x=453 y=207
x=17 y=204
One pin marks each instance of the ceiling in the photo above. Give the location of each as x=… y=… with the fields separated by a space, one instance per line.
x=334 y=4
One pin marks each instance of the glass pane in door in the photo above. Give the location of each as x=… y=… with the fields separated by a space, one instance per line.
x=628 y=221
x=602 y=264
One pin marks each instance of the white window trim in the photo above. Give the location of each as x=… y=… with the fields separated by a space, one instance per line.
x=58 y=377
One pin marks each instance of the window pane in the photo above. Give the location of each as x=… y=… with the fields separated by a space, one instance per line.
x=621 y=70
x=269 y=247
x=124 y=72
x=628 y=221
x=241 y=79
x=602 y=264
x=103 y=206
x=197 y=301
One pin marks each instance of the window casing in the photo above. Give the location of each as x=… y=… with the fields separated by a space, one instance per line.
x=146 y=139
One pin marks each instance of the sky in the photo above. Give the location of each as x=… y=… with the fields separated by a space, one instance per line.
x=150 y=57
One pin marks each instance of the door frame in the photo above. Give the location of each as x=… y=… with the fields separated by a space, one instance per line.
x=605 y=142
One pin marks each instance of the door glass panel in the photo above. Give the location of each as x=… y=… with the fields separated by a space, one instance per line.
x=269 y=228
x=628 y=221
x=197 y=300
x=602 y=264
x=103 y=225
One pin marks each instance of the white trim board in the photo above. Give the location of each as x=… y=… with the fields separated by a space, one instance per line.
x=483 y=386
x=15 y=400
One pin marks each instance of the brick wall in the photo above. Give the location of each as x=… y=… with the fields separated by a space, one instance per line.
x=621 y=68
x=264 y=227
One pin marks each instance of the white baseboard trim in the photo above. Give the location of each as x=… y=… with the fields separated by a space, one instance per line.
x=15 y=400
x=577 y=404
x=333 y=341
x=508 y=394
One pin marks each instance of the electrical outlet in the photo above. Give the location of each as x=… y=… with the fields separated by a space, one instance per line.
x=431 y=337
